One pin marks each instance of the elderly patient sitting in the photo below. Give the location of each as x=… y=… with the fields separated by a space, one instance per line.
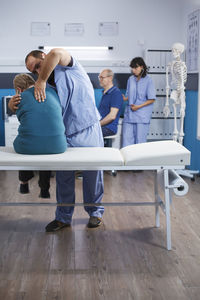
x=41 y=129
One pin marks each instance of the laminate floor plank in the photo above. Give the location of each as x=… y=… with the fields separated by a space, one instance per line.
x=125 y=258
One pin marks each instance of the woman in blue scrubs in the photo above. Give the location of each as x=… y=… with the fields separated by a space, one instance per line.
x=140 y=95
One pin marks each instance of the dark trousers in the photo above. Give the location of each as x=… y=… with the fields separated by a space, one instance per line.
x=44 y=178
x=106 y=131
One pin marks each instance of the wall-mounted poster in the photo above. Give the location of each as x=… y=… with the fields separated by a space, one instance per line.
x=108 y=28
x=192 y=58
x=193 y=49
x=40 y=28
x=74 y=29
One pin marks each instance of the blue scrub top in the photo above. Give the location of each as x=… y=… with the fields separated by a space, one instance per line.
x=112 y=98
x=76 y=95
x=138 y=92
x=41 y=129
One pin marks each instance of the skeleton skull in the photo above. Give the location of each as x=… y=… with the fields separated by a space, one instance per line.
x=177 y=49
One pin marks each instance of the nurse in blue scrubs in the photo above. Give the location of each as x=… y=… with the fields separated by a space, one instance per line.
x=140 y=95
x=82 y=128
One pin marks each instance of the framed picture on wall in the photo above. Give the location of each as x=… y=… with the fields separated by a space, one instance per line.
x=40 y=28
x=108 y=28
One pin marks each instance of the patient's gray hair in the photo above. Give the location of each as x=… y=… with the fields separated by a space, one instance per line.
x=109 y=72
x=23 y=81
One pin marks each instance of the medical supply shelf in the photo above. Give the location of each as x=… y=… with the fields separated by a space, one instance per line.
x=161 y=128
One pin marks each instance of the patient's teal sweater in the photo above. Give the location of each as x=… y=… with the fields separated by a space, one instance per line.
x=41 y=129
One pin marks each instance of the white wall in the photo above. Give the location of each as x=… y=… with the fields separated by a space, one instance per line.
x=157 y=23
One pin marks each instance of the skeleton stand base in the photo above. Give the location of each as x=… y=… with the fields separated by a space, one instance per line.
x=187 y=173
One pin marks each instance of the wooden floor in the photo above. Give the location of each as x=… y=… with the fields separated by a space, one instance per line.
x=124 y=259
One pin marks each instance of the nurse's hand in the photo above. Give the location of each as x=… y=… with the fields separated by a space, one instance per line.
x=124 y=98
x=13 y=102
x=135 y=107
x=39 y=90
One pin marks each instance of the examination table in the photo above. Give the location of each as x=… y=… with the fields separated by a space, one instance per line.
x=162 y=157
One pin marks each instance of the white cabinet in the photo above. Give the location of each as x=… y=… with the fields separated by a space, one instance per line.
x=11 y=130
x=116 y=142
x=160 y=127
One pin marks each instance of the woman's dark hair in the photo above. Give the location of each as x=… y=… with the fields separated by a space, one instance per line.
x=139 y=61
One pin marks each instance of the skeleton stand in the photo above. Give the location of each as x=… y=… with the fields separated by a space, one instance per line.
x=178 y=71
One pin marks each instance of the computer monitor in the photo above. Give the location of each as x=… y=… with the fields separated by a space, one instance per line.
x=6 y=110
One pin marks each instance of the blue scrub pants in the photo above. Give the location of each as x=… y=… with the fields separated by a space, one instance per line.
x=134 y=133
x=93 y=187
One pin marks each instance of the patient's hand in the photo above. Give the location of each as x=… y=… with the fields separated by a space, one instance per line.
x=14 y=101
x=39 y=90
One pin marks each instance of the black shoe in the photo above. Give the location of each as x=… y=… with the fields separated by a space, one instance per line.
x=44 y=193
x=94 y=222
x=23 y=188
x=55 y=226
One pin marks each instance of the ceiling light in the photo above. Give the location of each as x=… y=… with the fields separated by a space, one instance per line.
x=48 y=48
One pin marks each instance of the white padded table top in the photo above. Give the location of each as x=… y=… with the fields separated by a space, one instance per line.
x=163 y=153
x=79 y=156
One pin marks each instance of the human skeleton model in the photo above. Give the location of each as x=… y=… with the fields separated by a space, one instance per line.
x=178 y=71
